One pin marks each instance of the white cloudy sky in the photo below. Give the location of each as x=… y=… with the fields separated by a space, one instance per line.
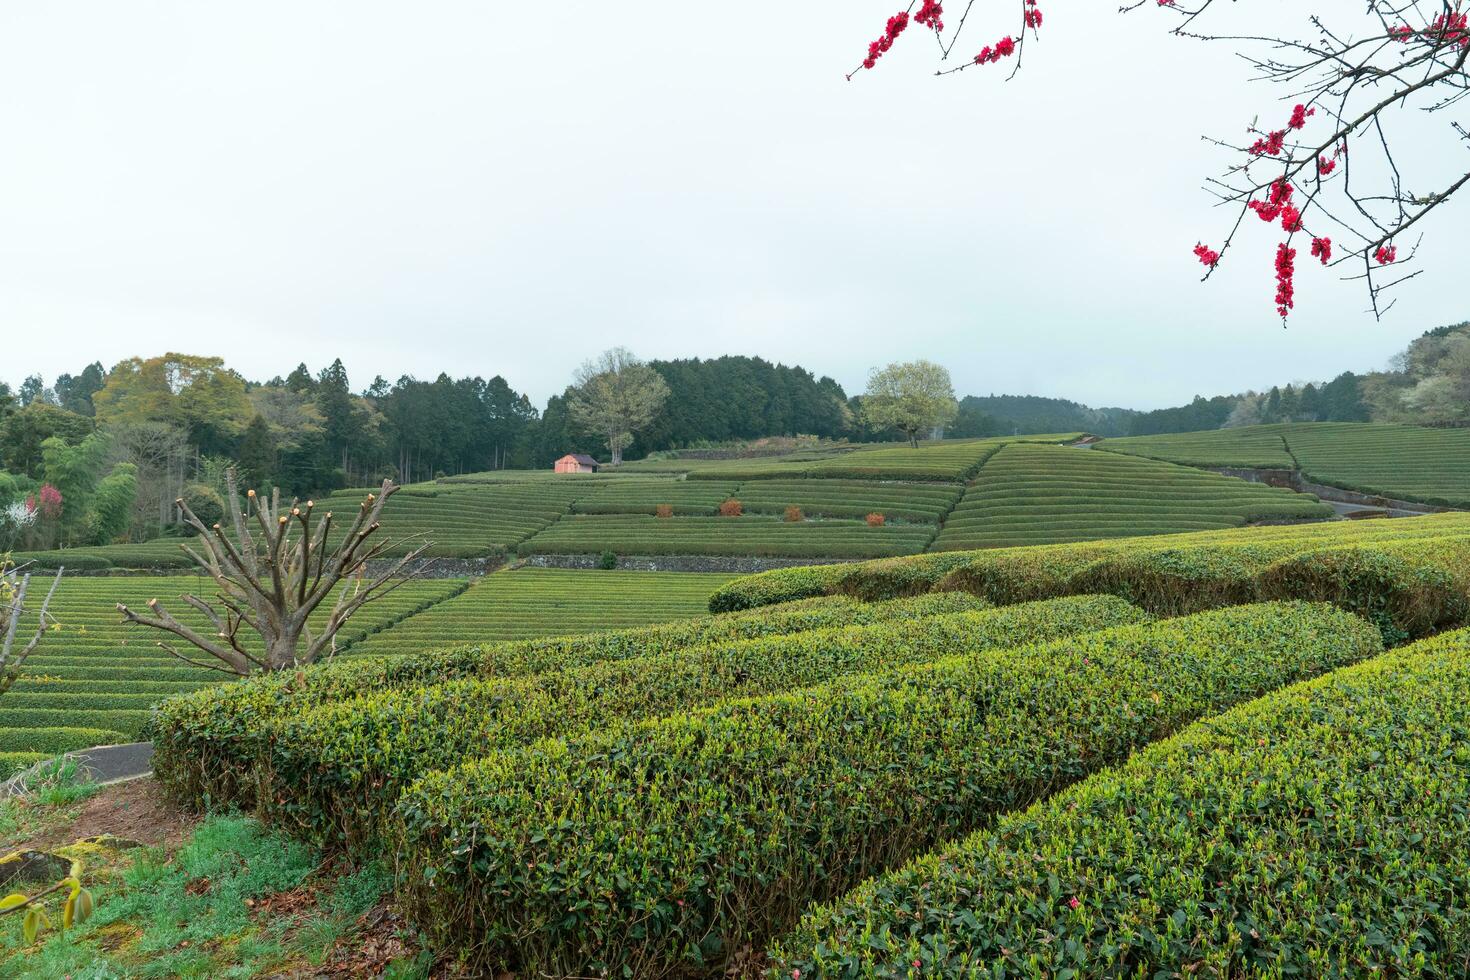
x=491 y=188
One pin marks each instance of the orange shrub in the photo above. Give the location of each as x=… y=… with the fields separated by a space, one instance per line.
x=663 y=510
x=794 y=515
x=874 y=520
x=731 y=508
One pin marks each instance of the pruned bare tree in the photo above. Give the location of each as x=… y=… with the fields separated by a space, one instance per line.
x=271 y=580
x=1325 y=169
x=14 y=587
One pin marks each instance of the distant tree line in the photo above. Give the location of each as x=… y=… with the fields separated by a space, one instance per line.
x=180 y=420
x=102 y=455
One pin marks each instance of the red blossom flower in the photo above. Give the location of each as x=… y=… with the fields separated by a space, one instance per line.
x=1207 y=256
x=1281 y=190
x=929 y=14
x=1266 y=210
x=1291 y=218
x=1270 y=145
x=1453 y=27
x=891 y=31
x=1322 y=249
x=1299 y=116
x=1005 y=47
x=1073 y=902
x=1386 y=254
x=1325 y=165
x=1285 y=269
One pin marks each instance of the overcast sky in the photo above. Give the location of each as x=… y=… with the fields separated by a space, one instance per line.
x=484 y=188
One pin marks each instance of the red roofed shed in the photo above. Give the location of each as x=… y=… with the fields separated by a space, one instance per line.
x=576 y=463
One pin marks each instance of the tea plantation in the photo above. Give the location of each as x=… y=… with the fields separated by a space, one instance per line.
x=527 y=602
x=1405 y=462
x=94 y=680
x=1070 y=717
x=912 y=759
x=1035 y=494
x=875 y=501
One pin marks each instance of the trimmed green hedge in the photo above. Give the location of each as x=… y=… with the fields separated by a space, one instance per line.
x=332 y=772
x=123 y=720
x=13 y=762
x=927 y=502
x=752 y=534
x=206 y=742
x=1411 y=577
x=666 y=847
x=51 y=741
x=94 y=671
x=779 y=585
x=1318 y=831
x=786 y=584
x=521 y=603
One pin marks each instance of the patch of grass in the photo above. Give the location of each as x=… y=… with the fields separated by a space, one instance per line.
x=234 y=901
x=60 y=781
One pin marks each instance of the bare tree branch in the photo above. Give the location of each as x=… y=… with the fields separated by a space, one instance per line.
x=272 y=579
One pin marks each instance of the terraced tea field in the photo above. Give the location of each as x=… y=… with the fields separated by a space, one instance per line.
x=1404 y=461
x=1401 y=461
x=795 y=774
x=1249 y=447
x=460 y=520
x=528 y=602
x=918 y=502
x=748 y=535
x=93 y=679
x=1032 y=494
x=634 y=495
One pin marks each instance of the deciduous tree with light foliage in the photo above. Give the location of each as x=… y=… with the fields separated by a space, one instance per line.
x=914 y=397
x=616 y=395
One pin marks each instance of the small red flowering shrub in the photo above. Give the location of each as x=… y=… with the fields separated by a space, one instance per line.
x=731 y=508
x=794 y=515
x=875 y=520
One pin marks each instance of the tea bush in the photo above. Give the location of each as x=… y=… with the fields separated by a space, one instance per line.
x=205 y=744
x=664 y=847
x=332 y=772
x=1318 y=831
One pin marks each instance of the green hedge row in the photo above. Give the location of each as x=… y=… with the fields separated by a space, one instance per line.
x=83 y=700
x=926 y=502
x=637 y=534
x=665 y=848
x=206 y=741
x=524 y=603
x=118 y=720
x=50 y=741
x=333 y=772
x=13 y=762
x=1410 y=583
x=1317 y=832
